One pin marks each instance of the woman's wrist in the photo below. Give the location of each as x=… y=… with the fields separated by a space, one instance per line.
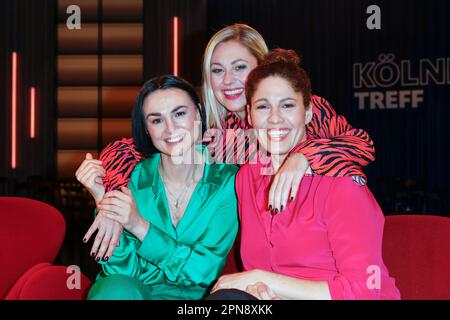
x=141 y=229
x=97 y=203
x=98 y=198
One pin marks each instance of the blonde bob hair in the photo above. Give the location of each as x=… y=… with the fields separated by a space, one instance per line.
x=248 y=37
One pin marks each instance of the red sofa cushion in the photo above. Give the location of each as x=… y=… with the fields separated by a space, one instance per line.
x=14 y=293
x=31 y=232
x=50 y=283
x=416 y=250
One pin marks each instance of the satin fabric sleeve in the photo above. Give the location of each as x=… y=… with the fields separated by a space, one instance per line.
x=201 y=263
x=334 y=147
x=355 y=229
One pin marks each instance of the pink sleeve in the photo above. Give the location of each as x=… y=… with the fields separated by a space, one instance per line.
x=355 y=229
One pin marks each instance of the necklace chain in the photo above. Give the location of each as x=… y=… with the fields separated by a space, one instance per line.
x=177 y=201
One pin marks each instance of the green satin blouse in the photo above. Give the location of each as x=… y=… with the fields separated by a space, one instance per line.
x=181 y=262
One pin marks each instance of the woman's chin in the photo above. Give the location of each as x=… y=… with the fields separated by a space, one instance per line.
x=279 y=149
x=181 y=152
x=234 y=106
x=173 y=151
x=282 y=147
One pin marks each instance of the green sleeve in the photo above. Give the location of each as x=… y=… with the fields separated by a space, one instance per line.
x=202 y=262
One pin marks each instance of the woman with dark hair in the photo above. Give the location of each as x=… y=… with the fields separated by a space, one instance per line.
x=327 y=242
x=179 y=211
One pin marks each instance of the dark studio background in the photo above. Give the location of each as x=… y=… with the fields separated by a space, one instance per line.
x=409 y=176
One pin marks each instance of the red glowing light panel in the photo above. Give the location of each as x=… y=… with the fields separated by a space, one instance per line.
x=175 y=46
x=32 y=113
x=14 y=112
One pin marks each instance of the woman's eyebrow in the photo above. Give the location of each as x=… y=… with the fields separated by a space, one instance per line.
x=261 y=99
x=178 y=108
x=158 y=114
x=281 y=101
x=233 y=62
x=155 y=114
x=239 y=60
x=288 y=98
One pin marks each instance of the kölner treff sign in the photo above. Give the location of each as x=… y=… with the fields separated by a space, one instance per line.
x=390 y=83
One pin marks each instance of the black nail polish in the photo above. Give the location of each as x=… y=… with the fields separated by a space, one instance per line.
x=276 y=210
x=106 y=258
x=281 y=208
x=292 y=198
x=97 y=259
x=270 y=207
x=84 y=240
x=92 y=254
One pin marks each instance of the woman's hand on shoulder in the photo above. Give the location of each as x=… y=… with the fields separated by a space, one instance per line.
x=286 y=182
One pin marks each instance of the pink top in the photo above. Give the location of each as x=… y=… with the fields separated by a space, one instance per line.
x=331 y=231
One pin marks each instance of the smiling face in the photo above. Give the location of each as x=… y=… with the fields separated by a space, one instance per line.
x=231 y=63
x=278 y=114
x=172 y=121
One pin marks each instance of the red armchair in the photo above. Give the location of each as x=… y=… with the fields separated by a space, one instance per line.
x=31 y=234
x=416 y=250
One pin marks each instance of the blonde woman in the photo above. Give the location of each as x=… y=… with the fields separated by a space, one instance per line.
x=334 y=148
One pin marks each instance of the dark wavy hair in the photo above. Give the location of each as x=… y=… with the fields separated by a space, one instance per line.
x=141 y=139
x=281 y=63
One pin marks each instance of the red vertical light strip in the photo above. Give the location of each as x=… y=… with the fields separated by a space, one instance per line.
x=175 y=46
x=14 y=112
x=32 y=113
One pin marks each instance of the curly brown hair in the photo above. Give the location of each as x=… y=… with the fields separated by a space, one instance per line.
x=280 y=63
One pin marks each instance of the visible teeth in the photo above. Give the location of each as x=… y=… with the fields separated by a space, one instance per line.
x=175 y=139
x=277 y=133
x=233 y=92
